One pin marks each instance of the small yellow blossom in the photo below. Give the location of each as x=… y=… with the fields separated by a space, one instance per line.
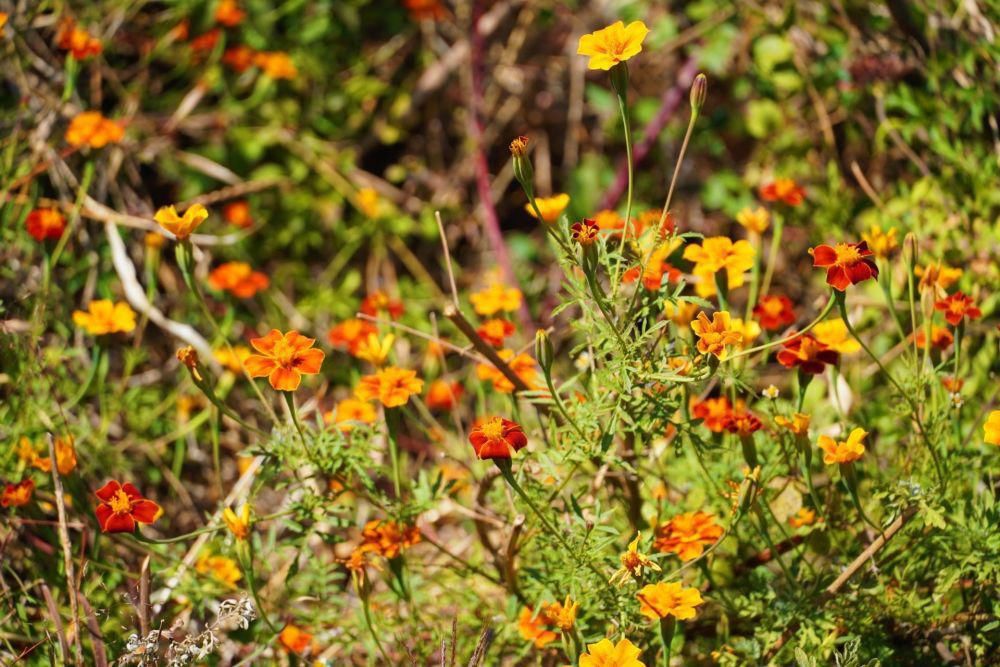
x=496 y=298
x=550 y=207
x=612 y=45
x=181 y=226
x=882 y=244
x=755 y=220
x=833 y=333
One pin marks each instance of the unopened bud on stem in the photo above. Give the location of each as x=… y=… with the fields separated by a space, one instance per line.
x=699 y=89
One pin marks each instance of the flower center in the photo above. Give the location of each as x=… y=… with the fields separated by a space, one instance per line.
x=493 y=429
x=284 y=354
x=847 y=253
x=120 y=503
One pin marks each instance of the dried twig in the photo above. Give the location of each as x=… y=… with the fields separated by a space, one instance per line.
x=64 y=541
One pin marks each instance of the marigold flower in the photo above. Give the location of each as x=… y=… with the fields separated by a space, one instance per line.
x=714 y=337
x=606 y=654
x=425 y=10
x=715 y=254
x=65 y=457
x=843 y=452
x=882 y=244
x=522 y=365
x=238 y=524
x=680 y=313
x=633 y=563
x=755 y=220
x=941 y=338
x=957 y=307
x=798 y=424
x=612 y=45
x=377 y=302
x=774 y=312
x=585 y=232
x=991 y=428
x=45 y=224
x=237 y=213
x=206 y=42
x=937 y=276
x=658 y=601
x=238 y=279
x=550 y=207
x=656 y=267
x=519 y=146
x=80 y=43
x=232 y=360
x=374 y=350
x=295 y=640
x=181 y=226
x=228 y=13
x=276 y=64
x=562 y=615
x=846 y=264
x=834 y=334
x=222 y=568
x=105 y=317
x=784 y=190
x=495 y=330
x=92 y=129
x=749 y=331
x=391 y=386
x=444 y=395
x=743 y=423
x=494 y=299
x=497 y=438
x=122 y=506
x=389 y=538
x=17 y=495
x=808 y=354
x=687 y=535
x=239 y=58
x=713 y=412
x=349 y=334
x=352 y=411
x=608 y=220
x=533 y=628
x=367 y=201
x=804 y=517
x=284 y=359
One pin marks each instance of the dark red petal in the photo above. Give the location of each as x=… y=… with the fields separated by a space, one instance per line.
x=103 y=513
x=824 y=255
x=119 y=523
x=145 y=511
x=837 y=278
x=787 y=358
x=107 y=492
x=131 y=491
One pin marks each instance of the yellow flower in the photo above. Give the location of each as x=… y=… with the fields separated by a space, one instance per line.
x=664 y=599
x=715 y=254
x=937 y=274
x=606 y=654
x=373 y=350
x=798 y=424
x=232 y=360
x=224 y=569
x=238 y=524
x=879 y=242
x=833 y=333
x=367 y=201
x=632 y=563
x=351 y=411
x=550 y=207
x=843 y=452
x=715 y=336
x=612 y=45
x=104 y=317
x=496 y=298
x=754 y=220
x=680 y=313
x=749 y=331
x=563 y=616
x=804 y=517
x=991 y=429
x=181 y=226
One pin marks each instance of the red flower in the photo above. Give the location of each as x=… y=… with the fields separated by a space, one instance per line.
x=783 y=189
x=497 y=438
x=122 y=506
x=714 y=412
x=846 y=263
x=16 y=495
x=379 y=300
x=45 y=223
x=742 y=423
x=956 y=307
x=808 y=354
x=774 y=312
x=585 y=232
x=495 y=330
x=444 y=395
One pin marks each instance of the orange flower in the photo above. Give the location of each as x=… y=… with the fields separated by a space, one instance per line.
x=350 y=334
x=550 y=207
x=378 y=301
x=284 y=359
x=743 y=423
x=713 y=411
x=843 y=452
x=238 y=279
x=351 y=411
x=658 y=601
x=957 y=307
x=784 y=190
x=237 y=213
x=608 y=220
x=606 y=654
x=228 y=13
x=804 y=517
x=495 y=330
x=389 y=538
x=276 y=64
x=239 y=58
x=17 y=495
x=497 y=438
x=368 y=202
x=522 y=365
x=612 y=45
x=687 y=535
x=846 y=264
x=76 y=40
x=585 y=232
x=391 y=386
x=496 y=298
x=45 y=224
x=204 y=43
x=65 y=457
x=808 y=354
x=444 y=395
x=633 y=562
x=181 y=226
x=656 y=267
x=774 y=312
x=562 y=615
x=715 y=336
x=798 y=424
x=941 y=338
x=425 y=10
x=92 y=129
x=224 y=569
x=295 y=640
x=104 y=317
x=533 y=628
x=238 y=524
x=122 y=506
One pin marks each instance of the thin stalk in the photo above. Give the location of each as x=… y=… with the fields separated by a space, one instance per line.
x=819 y=318
x=779 y=228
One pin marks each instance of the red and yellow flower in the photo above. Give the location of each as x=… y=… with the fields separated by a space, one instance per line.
x=784 y=190
x=228 y=13
x=294 y=639
x=350 y=334
x=585 y=232
x=497 y=438
x=774 y=312
x=17 y=495
x=238 y=278
x=687 y=535
x=444 y=395
x=495 y=330
x=807 y=354
x=45 y=224
x=633 y=563
x=122 y=507
x=522 y=365
x=846 y=264
x=80 y=43
x=941 y=338
x=957 y=307
x=379 y=302
x=534 y=628
x=389 y=538
x=391 y=386
x=276 y=64
x=715 y=336
x=284 y=358
x=237 y=213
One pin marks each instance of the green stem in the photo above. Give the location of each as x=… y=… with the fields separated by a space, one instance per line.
x=390 y=429
x=667 y=627
x=779 y=228
x=822 y=316
x=371 y=630
x=626 y=125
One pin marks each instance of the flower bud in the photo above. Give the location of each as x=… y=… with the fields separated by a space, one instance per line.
x=543 y=349
x=699 y=89
x=519 y=147
x=189 y=357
